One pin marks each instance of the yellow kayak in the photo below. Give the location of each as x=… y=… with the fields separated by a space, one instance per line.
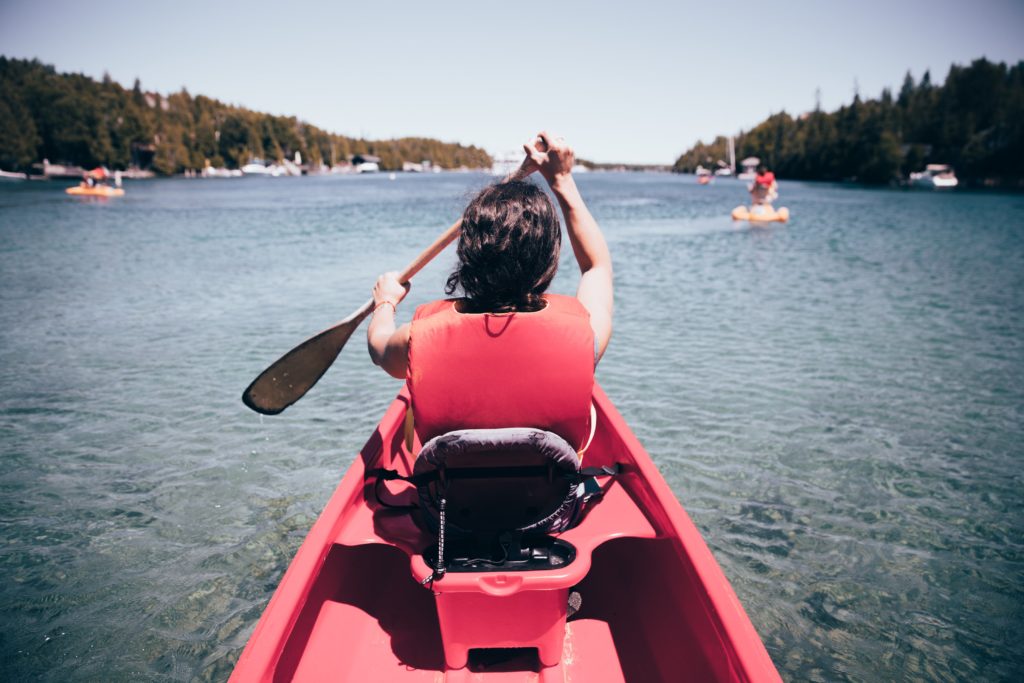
x=760 y=214
x=95 y=191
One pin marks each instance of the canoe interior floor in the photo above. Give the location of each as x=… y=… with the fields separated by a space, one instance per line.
x=370 y=655
x=368 y=620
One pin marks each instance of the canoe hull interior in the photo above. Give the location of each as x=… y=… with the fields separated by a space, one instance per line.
x=655 y=605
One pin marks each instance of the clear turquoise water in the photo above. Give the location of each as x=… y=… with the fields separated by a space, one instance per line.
x=837 y=402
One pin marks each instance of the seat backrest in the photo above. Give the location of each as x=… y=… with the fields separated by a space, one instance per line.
x=498 y=480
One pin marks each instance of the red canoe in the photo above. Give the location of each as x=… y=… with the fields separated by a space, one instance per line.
x=655 y=605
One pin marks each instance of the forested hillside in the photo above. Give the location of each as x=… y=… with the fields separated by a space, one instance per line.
x=974 y=121
x=71 y=118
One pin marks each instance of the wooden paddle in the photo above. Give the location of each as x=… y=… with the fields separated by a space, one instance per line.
x=295 y=373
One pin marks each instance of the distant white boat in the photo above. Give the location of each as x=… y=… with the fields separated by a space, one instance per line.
x=749 y=165
x=256 y=167
x=727 y=170
x=506 y=164
x=8 y=175
x=365 y=163
x=935 y=176
x=59 y=171
x=136 y=173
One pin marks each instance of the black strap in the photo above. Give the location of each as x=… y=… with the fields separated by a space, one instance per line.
x=602 y=471
x=383 y=474
x=494 y=472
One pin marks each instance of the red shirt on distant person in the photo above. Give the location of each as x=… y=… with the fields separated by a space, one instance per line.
x=764 y=190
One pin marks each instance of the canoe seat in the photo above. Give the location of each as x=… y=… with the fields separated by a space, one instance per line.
x=499 y=480
x=495 y=498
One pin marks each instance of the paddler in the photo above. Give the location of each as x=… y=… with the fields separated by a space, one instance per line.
x=764 y=189
x=506 y=353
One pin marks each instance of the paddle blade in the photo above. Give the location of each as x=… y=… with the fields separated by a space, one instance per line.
x=295 y=373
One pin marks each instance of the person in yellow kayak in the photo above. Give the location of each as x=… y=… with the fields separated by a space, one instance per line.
x=507 y=353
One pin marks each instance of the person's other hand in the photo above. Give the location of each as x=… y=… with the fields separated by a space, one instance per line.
x=551 y=156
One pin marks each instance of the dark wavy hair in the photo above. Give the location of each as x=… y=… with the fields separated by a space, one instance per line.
x=508 y=248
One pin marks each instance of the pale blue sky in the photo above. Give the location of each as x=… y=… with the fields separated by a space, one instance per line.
x=630 y=81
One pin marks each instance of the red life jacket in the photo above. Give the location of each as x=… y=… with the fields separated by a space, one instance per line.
x=490 y=370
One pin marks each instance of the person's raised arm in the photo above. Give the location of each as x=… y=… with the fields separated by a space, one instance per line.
x=389 y=348
x=554 y=160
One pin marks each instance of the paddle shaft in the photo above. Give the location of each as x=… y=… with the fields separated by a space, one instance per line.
x=293 y=374
x=420 y=261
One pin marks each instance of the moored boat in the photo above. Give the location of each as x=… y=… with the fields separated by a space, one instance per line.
x=724 y=169
x=363 y=599
x=936 y=176
x=762 y=213
x=506 y=164
x=366 y=163
x=749 y=165
x=256 y=167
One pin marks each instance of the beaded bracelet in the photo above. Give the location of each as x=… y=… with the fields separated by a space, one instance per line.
x=386 y=302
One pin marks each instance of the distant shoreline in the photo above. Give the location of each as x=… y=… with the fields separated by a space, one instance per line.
x=74 y=120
